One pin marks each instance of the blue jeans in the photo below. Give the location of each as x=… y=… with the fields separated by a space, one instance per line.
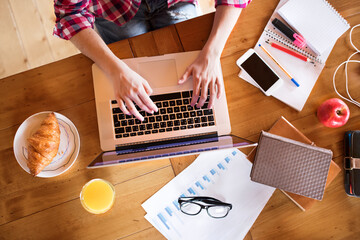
x=152 y=14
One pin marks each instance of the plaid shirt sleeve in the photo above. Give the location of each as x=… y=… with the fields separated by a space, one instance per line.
x=72 y=16
x=234 y=3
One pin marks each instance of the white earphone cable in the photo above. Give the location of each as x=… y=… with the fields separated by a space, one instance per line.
x=350 y=99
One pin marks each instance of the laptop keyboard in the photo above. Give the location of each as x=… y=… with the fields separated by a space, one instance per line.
x=175 y=114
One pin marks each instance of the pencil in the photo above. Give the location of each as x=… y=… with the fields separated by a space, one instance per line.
x=292 y=79
x=290 y=52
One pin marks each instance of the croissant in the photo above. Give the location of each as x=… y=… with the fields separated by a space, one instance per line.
x=43 y=144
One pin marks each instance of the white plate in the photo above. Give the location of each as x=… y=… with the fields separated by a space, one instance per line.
x=68 y=150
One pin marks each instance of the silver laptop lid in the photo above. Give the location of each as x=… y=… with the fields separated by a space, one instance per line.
x=169 y=148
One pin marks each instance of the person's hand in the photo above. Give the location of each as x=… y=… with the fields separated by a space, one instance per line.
x=130 y=88
x=207 y=75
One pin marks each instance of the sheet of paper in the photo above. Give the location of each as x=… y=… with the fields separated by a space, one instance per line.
x=223 y=174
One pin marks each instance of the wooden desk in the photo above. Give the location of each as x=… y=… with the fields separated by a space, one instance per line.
x=36 y=208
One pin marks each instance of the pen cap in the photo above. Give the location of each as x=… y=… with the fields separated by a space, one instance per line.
x=299 y=40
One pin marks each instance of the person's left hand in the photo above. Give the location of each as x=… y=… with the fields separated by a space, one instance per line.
x=207 y=75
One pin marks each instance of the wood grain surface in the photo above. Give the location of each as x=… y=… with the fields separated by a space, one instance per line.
x=35 y=208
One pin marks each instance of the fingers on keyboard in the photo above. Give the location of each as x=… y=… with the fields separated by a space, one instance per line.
x=174 y=114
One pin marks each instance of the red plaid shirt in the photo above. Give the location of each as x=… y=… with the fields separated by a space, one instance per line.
x=72 y=16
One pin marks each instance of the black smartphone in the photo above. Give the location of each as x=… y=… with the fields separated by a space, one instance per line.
x=263 y=75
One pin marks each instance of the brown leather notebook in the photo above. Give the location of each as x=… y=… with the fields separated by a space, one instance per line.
x=285 y=129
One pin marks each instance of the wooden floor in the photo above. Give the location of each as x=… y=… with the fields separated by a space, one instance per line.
x=28 y=42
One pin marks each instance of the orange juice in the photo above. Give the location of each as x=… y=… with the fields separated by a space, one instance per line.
x=97 y=196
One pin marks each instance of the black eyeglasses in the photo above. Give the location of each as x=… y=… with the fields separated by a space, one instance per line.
x=214 y=207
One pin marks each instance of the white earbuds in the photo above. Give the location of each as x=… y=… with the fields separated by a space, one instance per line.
x=350 y=99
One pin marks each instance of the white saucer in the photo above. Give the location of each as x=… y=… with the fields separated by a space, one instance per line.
x=68 y=150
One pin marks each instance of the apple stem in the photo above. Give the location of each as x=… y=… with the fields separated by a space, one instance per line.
x=338 y=112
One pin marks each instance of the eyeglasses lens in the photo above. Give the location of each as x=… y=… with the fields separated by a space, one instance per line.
x=190 y=208
x=218 y=211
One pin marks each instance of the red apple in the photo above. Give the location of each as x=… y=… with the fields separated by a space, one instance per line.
x=333 y=113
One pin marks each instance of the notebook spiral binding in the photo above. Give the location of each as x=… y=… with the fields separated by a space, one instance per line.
x=336 y=12
x=289 y=44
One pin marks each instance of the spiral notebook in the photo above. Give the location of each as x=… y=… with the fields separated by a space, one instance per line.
x=305 y=73
x=272 y=35
x=316 y=20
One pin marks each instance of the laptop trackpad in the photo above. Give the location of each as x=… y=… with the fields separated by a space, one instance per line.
x=159 y=74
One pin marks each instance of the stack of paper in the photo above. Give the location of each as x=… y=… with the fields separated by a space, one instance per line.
x=223 y=174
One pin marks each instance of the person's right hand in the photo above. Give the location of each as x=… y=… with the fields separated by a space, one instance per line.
x=130 y=88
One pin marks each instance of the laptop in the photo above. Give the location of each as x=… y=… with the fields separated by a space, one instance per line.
x=176 y=129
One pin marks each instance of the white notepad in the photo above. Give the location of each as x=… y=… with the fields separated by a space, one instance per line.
x=316 y=20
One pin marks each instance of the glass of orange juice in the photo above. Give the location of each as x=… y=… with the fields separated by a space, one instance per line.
x=97 y=196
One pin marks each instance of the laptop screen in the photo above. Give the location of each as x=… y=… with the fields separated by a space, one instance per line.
x=169 y=148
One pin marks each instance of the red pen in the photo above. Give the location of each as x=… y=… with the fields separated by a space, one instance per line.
x=288 y=51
